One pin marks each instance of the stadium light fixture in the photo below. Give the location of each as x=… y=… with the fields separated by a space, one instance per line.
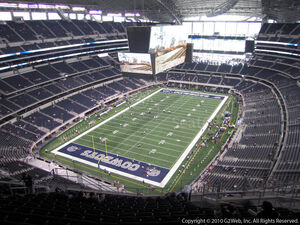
x=33 y=6
x=97 y=17
x=80 y=16
x=5 y=16
x=62 y=7
x=72 y=16
x=43 y=6
x=23 y=6
x=87 y=16
x=8 y=5
x=114 y=14
x=130 y=14
x=107 y=18
x=101 y=55
x=53 y=16
x=76 y=8
x=39 y=16
x=95 y=12
x=119 y=19
x=24 y=15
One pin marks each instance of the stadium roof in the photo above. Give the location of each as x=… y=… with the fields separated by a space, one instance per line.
x=179 y=10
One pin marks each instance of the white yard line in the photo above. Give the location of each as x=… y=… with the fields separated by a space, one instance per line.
x=155 y=158
x=189 y=148
x=147 y=136
x=160 y=122
x=104 y=122
x=174 y=168
x=165 y=132
x=168 y=126
x=183 y=112
x=173 y=150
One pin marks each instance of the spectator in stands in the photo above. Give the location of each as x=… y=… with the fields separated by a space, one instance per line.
x=188 y=192
x=229 y=211
x=27 y=179
x=267 y=211
x=101 y=198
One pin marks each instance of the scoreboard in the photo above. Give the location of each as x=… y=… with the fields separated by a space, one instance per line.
x=135 y=62
x=164 y=46
x=219 y=44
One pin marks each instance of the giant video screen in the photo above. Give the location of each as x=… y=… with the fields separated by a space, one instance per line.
x=135 y=62
x=138 y=39
x=217 y=44
x=169 y=45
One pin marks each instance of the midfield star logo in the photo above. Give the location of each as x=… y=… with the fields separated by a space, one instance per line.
x=72 y=148
x=153 y=172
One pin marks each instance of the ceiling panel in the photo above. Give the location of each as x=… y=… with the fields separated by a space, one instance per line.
x=177 y=10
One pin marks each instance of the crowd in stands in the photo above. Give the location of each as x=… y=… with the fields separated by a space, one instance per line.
x=218 y=59
x=280 y=32
x=255 y=147
x=54 y=115
x=259 y=156
x=263 y=114
x=82 y=79
x=73 y=207
x=44 y=34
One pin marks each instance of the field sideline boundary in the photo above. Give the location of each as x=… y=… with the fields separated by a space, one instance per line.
x=193 y=142
x=176 y=164
x=105 y=121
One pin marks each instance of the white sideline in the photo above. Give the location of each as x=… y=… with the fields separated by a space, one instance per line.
x=191 y=145
x=105 y=121
x=173 y=169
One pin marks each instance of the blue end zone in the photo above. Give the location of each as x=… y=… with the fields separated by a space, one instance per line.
x=195 y=94
x=126 y=165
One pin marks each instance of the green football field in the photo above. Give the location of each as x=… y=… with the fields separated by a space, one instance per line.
x=156 y=131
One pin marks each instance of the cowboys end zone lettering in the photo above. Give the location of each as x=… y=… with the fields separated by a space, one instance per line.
x=130 y=166
x=196 y=94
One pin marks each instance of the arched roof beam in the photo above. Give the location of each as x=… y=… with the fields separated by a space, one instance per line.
x=222 y=8
x=172 y=9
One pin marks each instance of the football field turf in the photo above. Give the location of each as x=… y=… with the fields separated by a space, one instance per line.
x=156 y=132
